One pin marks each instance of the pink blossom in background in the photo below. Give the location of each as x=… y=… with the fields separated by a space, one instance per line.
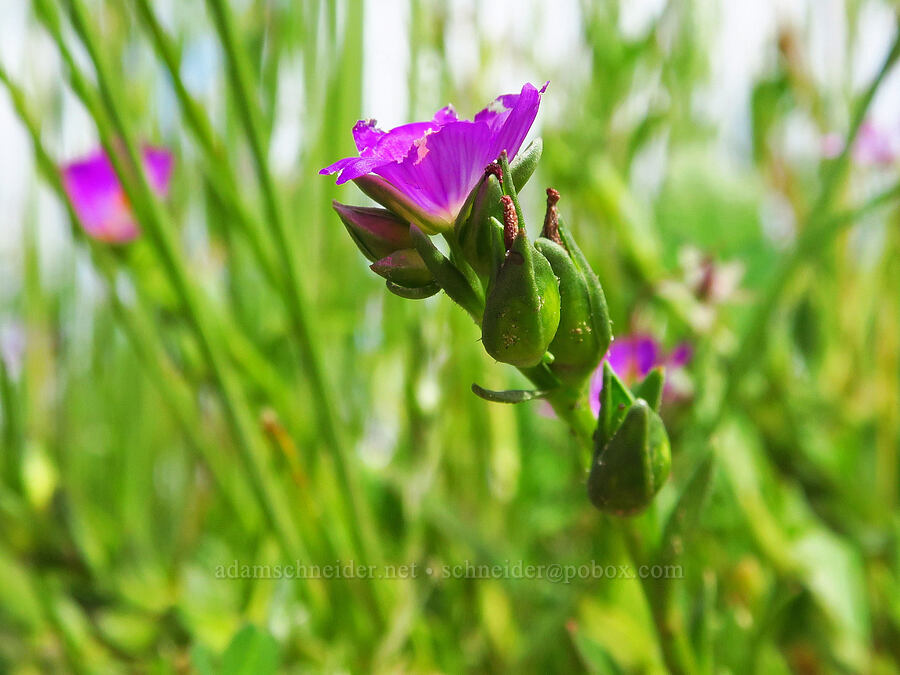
x=12 y=346
x=632 y=357
x=874 y=146
x=437 y=163
x=98 y=198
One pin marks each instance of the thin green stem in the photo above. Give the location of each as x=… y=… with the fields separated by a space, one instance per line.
x=160 y=231
x=817 y=233
x=135 y=324
x=219 y=167
x=671 y=634
x=361 y=524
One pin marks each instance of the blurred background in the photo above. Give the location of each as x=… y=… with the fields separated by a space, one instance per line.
x=172 y=408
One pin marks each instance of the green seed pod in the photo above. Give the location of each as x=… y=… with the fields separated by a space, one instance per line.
x=521 y=311
x=602 y=326
x=376 y=232
x=576 y=346
x=404 y=268
x=629 y=471
x=584 y=332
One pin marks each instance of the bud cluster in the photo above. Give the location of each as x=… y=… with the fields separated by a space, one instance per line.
x=540 y=306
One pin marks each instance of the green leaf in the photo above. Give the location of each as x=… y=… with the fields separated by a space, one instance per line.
x=614 y=402
x=593 y=655
x=526 y=162
x=252 y=652
x=651 y=387
x=412 y=293
x=510 y=395
x=687 y=510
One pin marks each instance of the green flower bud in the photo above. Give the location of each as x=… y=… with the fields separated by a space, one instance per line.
x=376 y=232
x=521 y=311
x=584 y=328
x=630 y=469
x=477 y=234
x=404 y=268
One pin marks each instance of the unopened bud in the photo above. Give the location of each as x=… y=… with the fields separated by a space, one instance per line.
x=376 y=232
x=405 y=268
x=584 y=330
x=632 y=467
x=521 y=311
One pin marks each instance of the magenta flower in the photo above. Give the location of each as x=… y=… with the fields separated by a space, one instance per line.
x=98 y=198
x=631 y=358
x=434 y=165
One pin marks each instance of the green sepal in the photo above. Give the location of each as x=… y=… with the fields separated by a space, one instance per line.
x=614 y=402
x=393 y=200
x=602 y=326
x=629 y=471
x=510 y=395
x=498 y=249
x=404 y=268
x=526 y=161
x=576 y=345
x=521 y=311
x=476 y=233
x=419 y=293
x=376 y=232
x=450 y=279
x=651 y=387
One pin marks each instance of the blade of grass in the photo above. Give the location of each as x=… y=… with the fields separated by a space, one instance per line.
x=361 y=523
x=115 y=136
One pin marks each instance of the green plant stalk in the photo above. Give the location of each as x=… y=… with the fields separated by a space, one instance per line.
x=361 y=524
x=135 y=323
x=572 y=406
x=670 y=629
x=818 y=232
x=222 y=182
x=217 y=162
x=12 y=437
x=137 y=189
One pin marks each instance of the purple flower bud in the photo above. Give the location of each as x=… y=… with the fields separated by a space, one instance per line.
x=377 y=232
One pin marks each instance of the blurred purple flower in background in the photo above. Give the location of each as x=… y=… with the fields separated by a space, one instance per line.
x=436 y=164
x=12 y=346
x=632 y=357
x=98 y=198
x=874 y=146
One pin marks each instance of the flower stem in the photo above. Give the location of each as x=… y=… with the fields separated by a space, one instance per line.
x=360 y=522
x=129 y=169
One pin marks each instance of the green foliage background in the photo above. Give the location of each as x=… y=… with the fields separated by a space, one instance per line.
x=237 y=386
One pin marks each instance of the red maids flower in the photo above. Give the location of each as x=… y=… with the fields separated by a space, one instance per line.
x=632 y=357
x=98 y=198
x=425 y=170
